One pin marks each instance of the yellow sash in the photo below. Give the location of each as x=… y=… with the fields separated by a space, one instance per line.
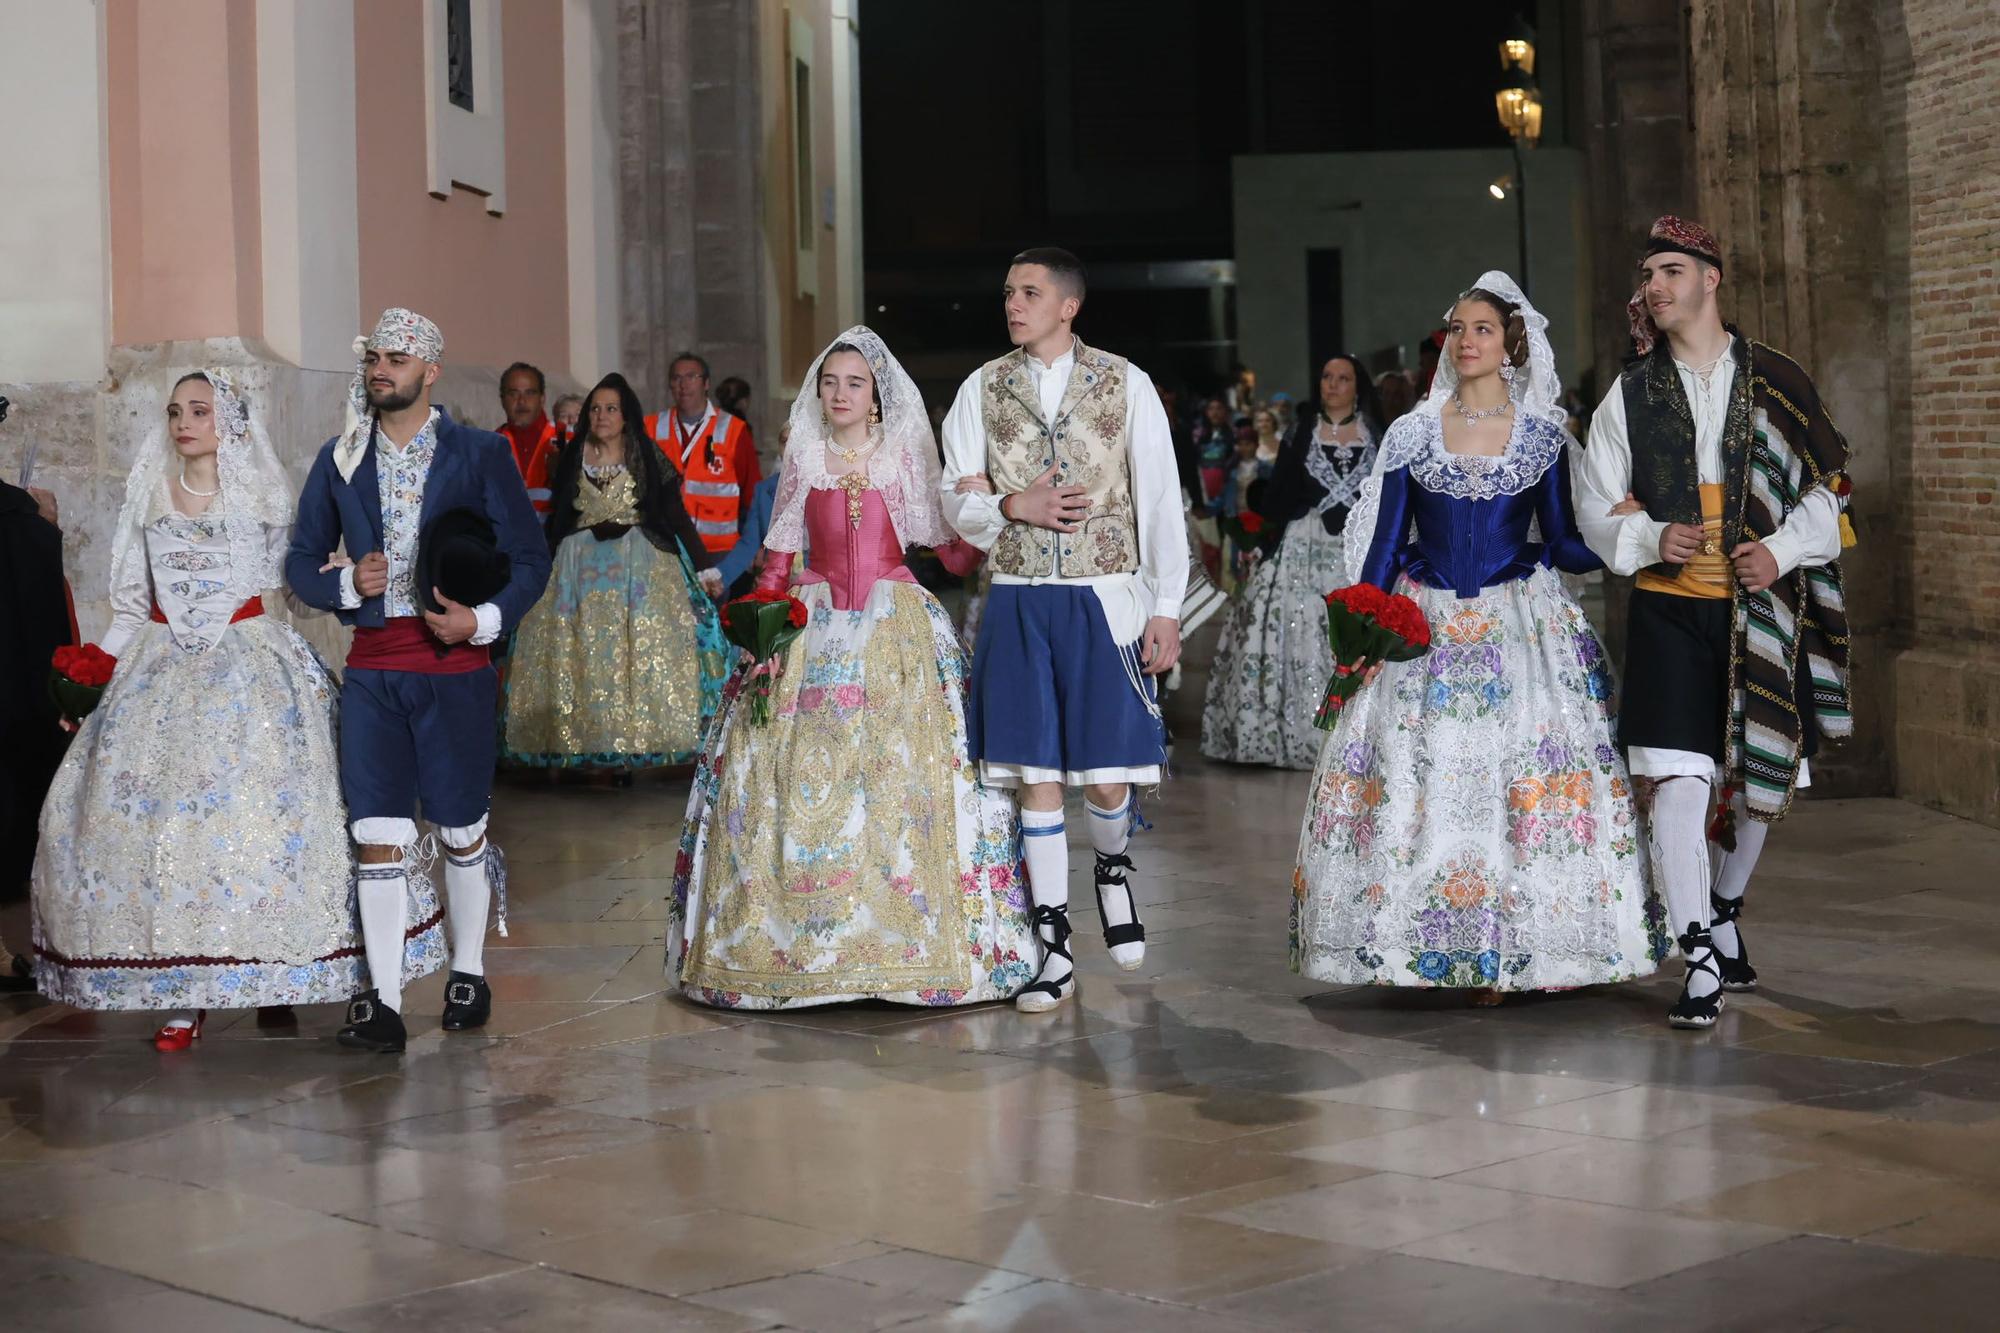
x=1709 y=573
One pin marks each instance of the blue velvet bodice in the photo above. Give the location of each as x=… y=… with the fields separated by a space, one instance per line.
x=1472 y=525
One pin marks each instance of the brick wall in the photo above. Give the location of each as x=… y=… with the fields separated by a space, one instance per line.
x=1951 y=110
x=1941 y=96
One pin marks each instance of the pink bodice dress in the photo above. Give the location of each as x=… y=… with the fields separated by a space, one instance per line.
x=850 y=557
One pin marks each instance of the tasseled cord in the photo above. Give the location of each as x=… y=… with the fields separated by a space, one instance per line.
x=496 y=875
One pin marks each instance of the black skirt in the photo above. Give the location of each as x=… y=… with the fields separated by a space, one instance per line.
x=1676 y=693
x=1676 y=673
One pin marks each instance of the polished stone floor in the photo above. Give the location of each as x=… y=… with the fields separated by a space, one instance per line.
x=1210 y=1143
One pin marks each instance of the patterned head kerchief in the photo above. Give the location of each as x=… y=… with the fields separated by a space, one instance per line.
x=398 y=330
x=1670 y=235
x=401 y=330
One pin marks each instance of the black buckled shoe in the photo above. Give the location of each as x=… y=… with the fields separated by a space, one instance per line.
x=468 y=1002
x=1698 y=1012
x=1127 y=942
x=1053 y=929
x=373 y=1026
x=1737 y=974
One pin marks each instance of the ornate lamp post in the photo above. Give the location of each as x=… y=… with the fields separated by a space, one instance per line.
x=1518 y=99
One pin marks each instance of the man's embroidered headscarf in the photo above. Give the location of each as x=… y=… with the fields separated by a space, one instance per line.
x=1670 y=235
x=398 y=330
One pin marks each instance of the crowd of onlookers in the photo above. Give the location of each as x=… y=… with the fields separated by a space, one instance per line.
x=1228 y=443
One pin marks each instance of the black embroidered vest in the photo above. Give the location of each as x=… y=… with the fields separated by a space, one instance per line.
x=1660 y=426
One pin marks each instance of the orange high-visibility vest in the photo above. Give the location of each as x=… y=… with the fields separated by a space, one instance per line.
x=710 y=486
x=536 y=460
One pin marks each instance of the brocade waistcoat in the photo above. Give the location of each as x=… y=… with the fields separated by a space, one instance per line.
x=1086 y=445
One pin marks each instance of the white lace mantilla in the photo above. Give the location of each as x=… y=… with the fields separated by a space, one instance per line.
x=904 y=466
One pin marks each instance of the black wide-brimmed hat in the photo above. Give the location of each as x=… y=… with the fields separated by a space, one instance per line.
x=459 y=556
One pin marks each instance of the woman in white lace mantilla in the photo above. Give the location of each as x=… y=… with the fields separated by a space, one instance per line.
x=1272 y=662
x=194 y=849
x=846 y=850
x=1470 y=824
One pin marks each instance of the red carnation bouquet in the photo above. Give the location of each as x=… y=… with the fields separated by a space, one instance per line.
x=763 y=623
x=1366 y=627
x=77 y=677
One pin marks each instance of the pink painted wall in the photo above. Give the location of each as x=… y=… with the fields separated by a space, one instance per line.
x=181 y=129
x=495 y=285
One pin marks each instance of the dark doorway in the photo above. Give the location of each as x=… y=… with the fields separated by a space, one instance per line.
x=1324 y=332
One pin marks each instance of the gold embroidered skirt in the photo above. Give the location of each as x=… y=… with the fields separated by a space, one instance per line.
x=846 y=850
x=620 y=663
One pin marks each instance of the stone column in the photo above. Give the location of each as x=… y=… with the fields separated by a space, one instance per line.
x=1640 y=148
x=690 y=195
x=1789 y=150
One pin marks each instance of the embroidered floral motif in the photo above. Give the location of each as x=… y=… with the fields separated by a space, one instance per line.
x=1470 y=822
x=846 y=850
x=401 y=476
x=1087 y=440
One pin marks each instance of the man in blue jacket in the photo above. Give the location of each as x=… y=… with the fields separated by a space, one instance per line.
x=417 y=704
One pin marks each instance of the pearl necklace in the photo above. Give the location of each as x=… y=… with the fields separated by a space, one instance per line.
x=847 y=455
x=189 y=490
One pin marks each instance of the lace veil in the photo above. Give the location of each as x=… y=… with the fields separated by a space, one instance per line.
x=255 y=494
x=1538 y=415
x=904 y=466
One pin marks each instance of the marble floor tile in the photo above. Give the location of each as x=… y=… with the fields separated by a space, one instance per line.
x=822 y=1303
x=1633 y=1175
x=1377 y=1212
x=1849 y=1201
x=1642 y=1112
x=1210 y=1142
x=948 y=1280
x=699 y=1252
x=537 y=1300
x=1056 y=1305
x=1443 y=1147
x=1821 y=1283
x=1401 y=1290
x=1592 y=1243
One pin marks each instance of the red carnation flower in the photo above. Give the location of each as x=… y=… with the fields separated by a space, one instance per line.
x=797 y=614
x=1366 y=627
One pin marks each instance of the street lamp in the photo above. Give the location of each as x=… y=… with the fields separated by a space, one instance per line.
x=1518 y=99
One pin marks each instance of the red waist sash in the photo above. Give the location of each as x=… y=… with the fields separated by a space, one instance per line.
x=405 y=643
x=253 y=607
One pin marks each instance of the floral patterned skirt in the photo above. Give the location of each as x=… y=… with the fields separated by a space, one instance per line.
x=1272 y=662
x=846 y=850
x=194 y=849
x=1470 y=823
x=621 y=662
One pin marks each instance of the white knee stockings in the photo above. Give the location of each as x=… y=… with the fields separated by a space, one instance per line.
x=1045 y=848
x=1678 y=832
x=468 y=899
x=384 y=891
x=1734 y=871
